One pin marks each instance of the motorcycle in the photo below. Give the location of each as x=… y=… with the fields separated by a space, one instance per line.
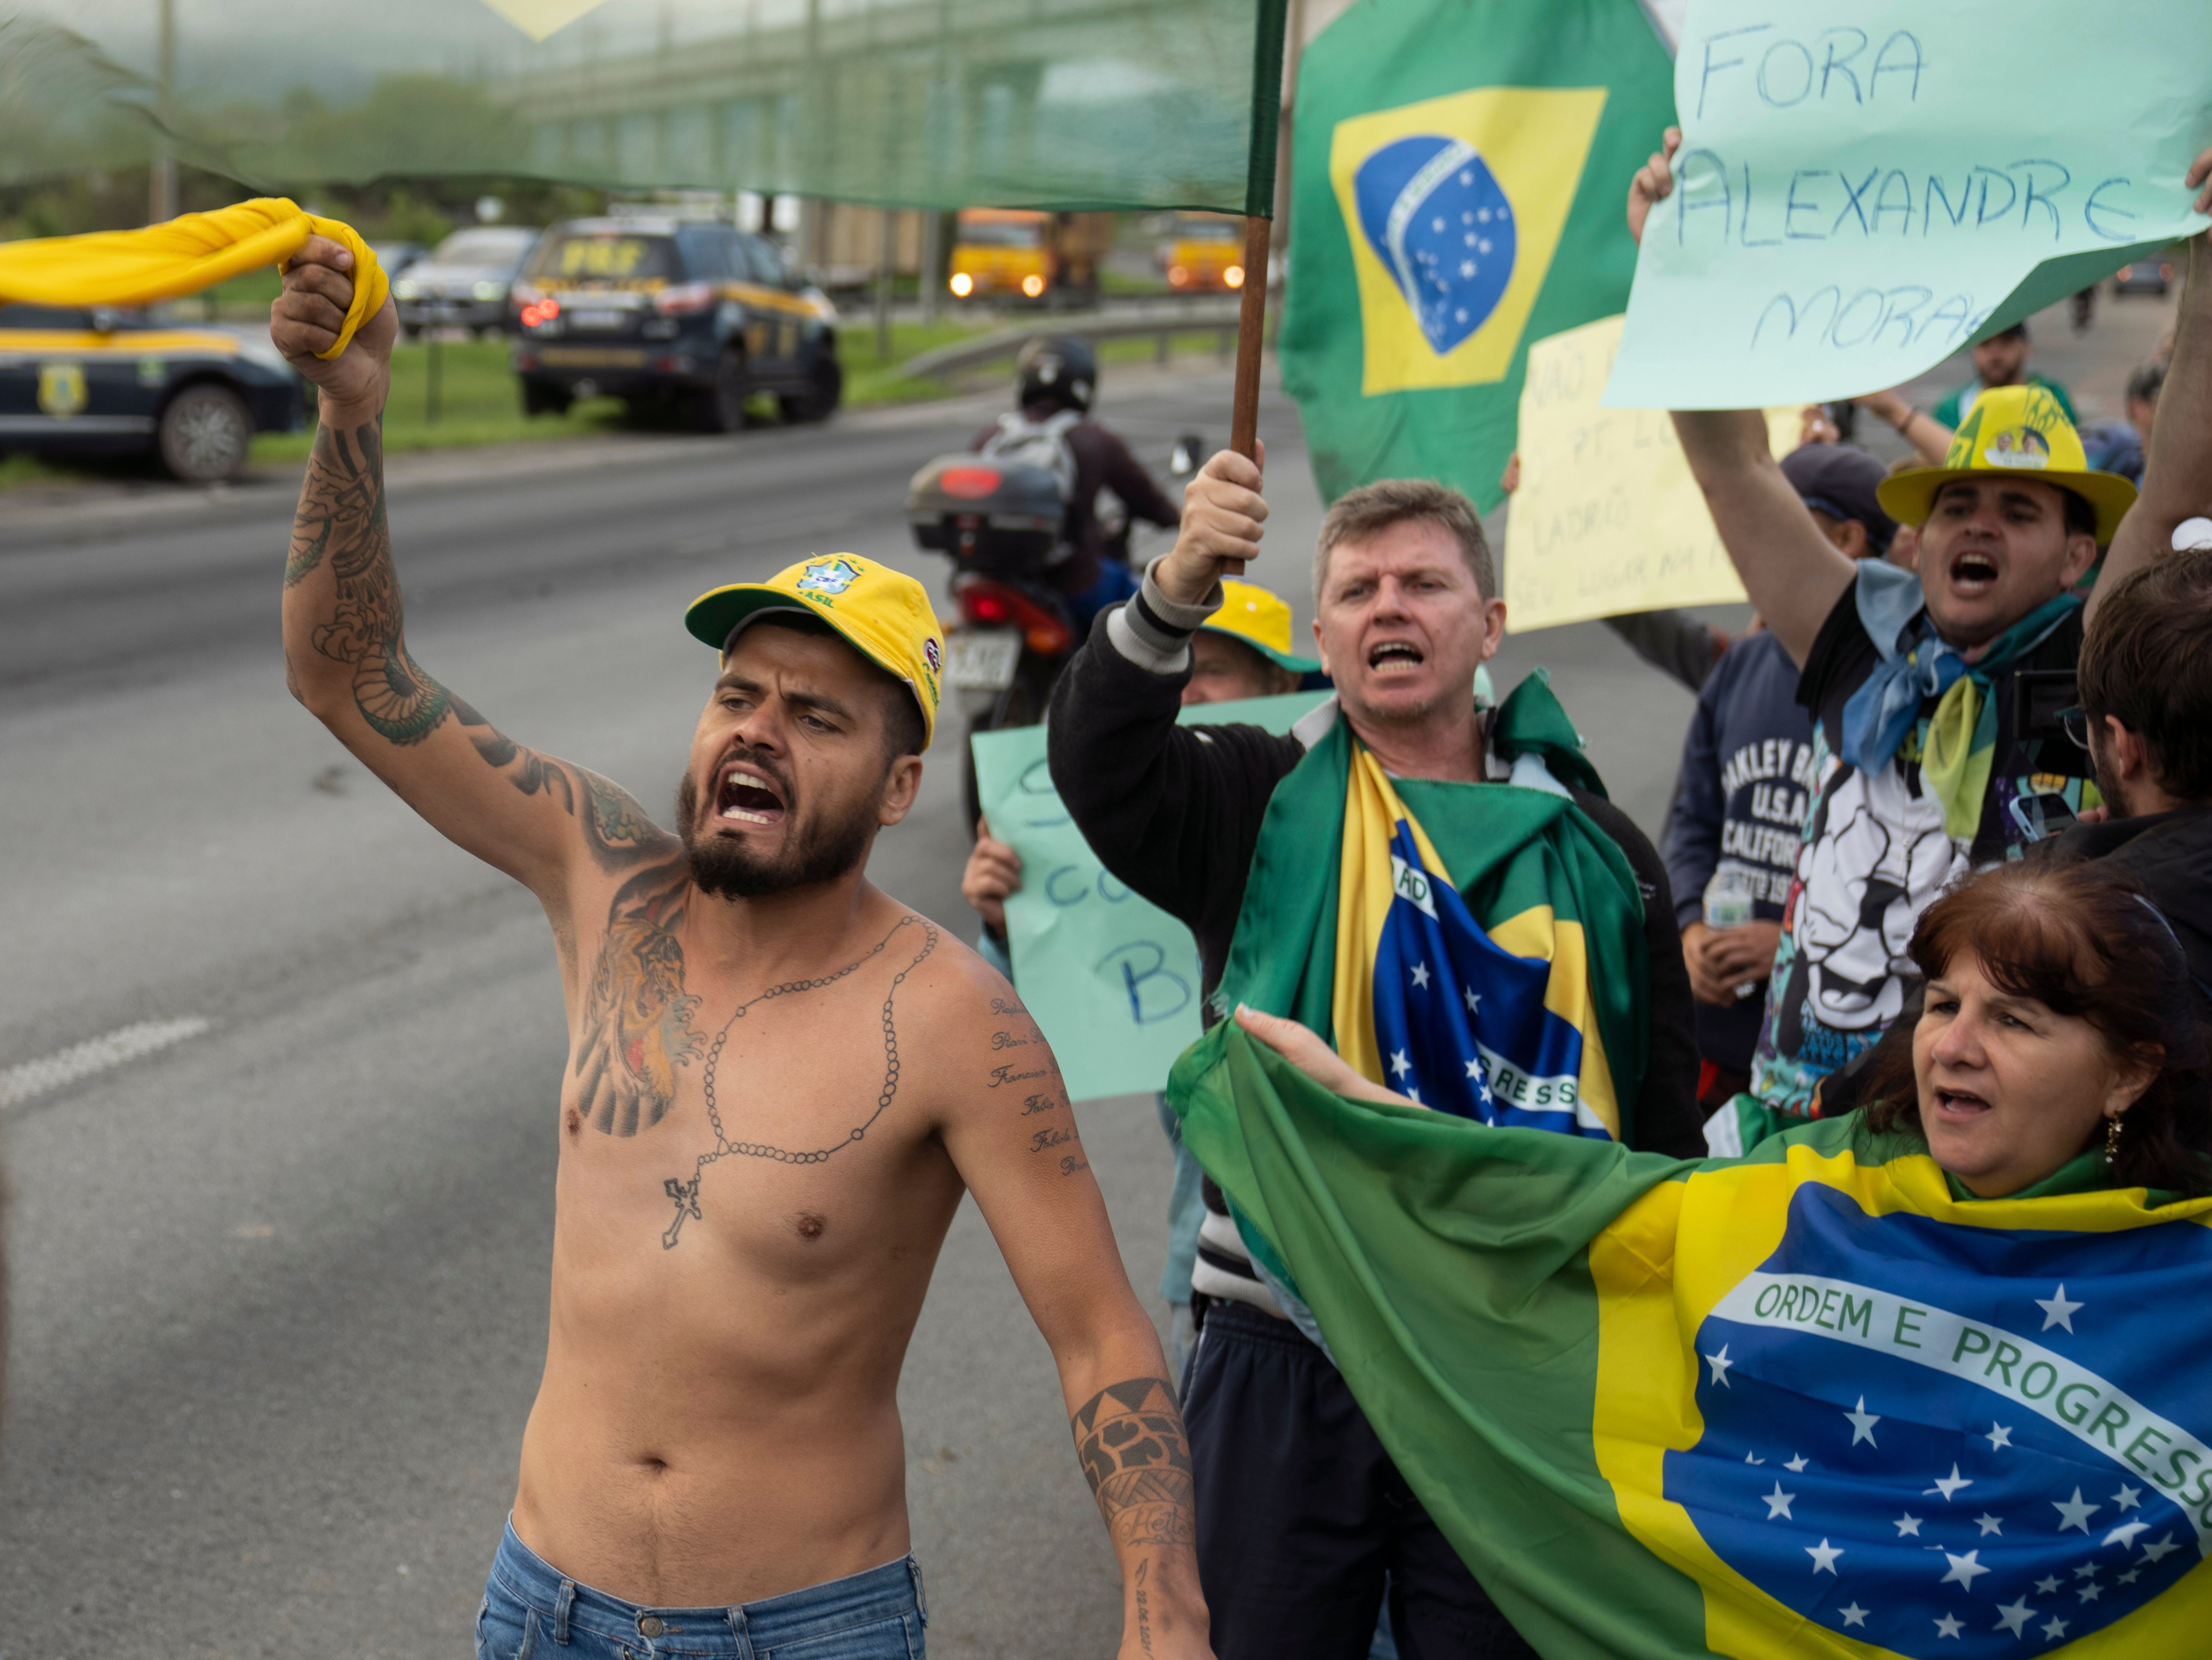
x=1002 y=524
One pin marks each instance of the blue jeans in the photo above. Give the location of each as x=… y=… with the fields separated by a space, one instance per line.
x=530 y=1609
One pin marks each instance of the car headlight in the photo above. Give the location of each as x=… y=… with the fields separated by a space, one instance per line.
x=404 y=290
x=1033 y=285
x=962 y=284
x=489 y=290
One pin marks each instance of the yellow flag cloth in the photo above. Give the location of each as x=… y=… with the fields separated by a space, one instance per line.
x=187 y=254
x=1961 y=744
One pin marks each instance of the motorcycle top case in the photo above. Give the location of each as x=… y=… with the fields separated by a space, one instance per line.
x=993 y=515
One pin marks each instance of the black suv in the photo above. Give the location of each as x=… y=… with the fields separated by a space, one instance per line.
x=666 y=310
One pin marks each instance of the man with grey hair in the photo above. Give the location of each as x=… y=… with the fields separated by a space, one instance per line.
x=1301 y=1512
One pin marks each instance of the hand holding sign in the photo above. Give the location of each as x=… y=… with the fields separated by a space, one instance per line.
x=1849 y=204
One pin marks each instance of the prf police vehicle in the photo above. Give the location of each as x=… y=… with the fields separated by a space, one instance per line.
x=85 y=382
x=672 y=311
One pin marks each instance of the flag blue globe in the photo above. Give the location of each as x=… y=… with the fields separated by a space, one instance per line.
x=1954 y=1441
x=1439 y=221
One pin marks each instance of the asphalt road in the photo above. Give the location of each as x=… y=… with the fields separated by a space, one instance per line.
x=280 y=1289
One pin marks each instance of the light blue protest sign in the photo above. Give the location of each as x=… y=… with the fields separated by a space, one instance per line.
x=1112 y=980
x=1863 y=191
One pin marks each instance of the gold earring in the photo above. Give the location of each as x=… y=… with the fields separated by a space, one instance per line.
x=2111 y=1138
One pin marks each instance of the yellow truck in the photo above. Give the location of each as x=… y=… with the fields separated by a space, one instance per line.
x=1203 y=253
x=1014 y=253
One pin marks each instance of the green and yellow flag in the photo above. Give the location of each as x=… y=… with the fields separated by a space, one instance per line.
x=1460 y=167
x=1479 y=947
x=1076 y=104
x=1814 y=1402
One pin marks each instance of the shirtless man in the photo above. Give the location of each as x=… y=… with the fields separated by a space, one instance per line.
x=779 y=1082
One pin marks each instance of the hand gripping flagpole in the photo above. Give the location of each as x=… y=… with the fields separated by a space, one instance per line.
x=1259 y=230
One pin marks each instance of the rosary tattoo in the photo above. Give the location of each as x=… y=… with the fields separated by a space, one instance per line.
x=686 y=1192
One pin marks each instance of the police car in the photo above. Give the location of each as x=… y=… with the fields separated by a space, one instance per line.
x=655 y=310
x=83 y=381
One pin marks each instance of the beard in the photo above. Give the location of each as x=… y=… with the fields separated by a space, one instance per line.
x=2108 y=784
x=817 y=849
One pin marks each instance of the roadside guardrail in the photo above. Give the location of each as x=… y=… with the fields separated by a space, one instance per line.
x=1163 y=322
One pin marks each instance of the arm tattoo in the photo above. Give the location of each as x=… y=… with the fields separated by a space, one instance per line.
x=342 y=517
x=637 y=1024
x=1130 y=1438
x=615 y=829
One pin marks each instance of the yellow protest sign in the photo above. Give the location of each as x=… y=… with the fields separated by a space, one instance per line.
x=1607 y=519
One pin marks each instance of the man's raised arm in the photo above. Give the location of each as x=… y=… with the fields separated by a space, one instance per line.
x=346 y=651
x=1792 y=573
x=2177 y=481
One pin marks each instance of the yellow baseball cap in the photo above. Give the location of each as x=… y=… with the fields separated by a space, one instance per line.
x=882 y=614
x=2012 y=429
x=1261 y=621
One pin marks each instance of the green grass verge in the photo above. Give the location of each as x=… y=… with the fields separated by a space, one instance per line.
x=479 y=402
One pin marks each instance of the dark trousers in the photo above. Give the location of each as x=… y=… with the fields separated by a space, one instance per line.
x=1302 y=1515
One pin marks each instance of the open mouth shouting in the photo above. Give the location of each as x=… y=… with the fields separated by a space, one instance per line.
x=1973 y=574
x=1388 y=658
x=1960 y=1106
x=746 y=795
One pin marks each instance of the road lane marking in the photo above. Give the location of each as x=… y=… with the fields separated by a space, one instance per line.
x=35 y=1078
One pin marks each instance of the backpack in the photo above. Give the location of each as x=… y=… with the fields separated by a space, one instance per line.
x=1041 y=444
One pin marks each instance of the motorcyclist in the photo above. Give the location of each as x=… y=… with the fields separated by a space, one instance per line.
x=1103 y=483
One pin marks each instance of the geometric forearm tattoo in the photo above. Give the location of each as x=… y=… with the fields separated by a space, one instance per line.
x=1130 y=1437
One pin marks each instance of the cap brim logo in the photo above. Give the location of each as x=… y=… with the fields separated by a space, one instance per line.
x=931 y=655
x=828 y=578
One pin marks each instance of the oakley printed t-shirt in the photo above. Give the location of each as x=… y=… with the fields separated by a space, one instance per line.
x=1874 y=854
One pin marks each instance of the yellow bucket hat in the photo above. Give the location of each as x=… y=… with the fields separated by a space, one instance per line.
x=1261 y=621
x=2012 y=429
x=882 y=614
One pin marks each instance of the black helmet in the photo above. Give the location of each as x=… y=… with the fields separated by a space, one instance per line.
x=1060 y=369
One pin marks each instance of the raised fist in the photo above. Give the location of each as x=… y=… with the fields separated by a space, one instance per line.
x=310 y=312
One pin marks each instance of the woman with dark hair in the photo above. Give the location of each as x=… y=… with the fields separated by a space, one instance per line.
x=2059 y=1027
x=2058 y=1013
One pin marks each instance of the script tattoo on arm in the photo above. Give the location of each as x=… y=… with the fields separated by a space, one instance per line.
x=342 y=518
x=637 y=1021
x=1130 y=1437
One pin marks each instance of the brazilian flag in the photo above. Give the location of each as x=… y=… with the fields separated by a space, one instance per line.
x=1459 y=172
x=1816 y=1401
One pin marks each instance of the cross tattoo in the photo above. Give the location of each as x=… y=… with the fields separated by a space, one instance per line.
x=686 y=1195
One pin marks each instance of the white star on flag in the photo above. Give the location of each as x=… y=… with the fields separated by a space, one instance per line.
x=1948 y=1625
x=1999 y=1435
x=2054 y=1628
x=1421 y=975
x=2090 y=1593
x=2087 y=1570
x=1475 y=1069
x=2128 y=1497
x=1473 y=1002
x=2125 y=1535
x=1796 y=1466
x=1862 y=1423
x=1752 y=1458
x=2073 y=1513
x=1855 y=1615
x=1412 y=1095
x=1824 y=1556
x=1949 y=1485
x=1991 y=1524
x=2014 y=1617
x=2057 y=1311
x=1908 y=1523
x=2047 y=1587
x=2130 y=1576
x=1779 y=1502
x=1720 y=1362
x=1399 y=1064
x=1963 y=1569
x=2164 y=1548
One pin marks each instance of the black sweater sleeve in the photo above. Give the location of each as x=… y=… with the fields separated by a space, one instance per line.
x=1668 y=1118
x=1173 y=811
